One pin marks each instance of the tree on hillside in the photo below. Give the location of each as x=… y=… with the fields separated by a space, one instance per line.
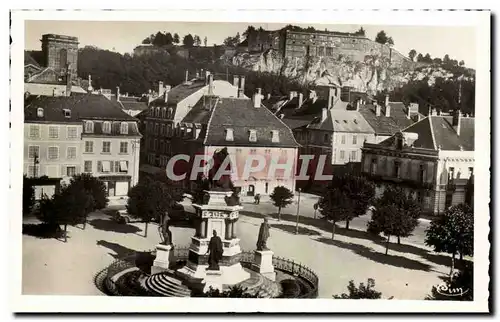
x=146 y=41
x=148 y=200
x=28 y=195
x=427 y=58
x=360 y=32
x=446 y=59
x=232 y=41
x=461 y=63
x=420 y=58
x=362 y=292
x=168 y=38
x=159 y=39
x=196 y=40
x=176 y=40
x=281 y=197
x=383 y=39
x=188 y=40
x=437 y=61
x=205 y=41
x=396 y=213
x=412 y=54
x=250 y=30
x=453 y=233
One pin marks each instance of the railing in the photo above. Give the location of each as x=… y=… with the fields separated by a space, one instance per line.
x=181 y=254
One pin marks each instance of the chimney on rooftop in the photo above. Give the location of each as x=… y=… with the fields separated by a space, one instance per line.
x=207 y=74
x=324 y=112
x=408 y=112
x=118 y=93
x=167 y=88
x=358 y=103
x=236 y=81
x=68 y=80
x=210 y=84
x=386 y=99
x=457 y=117
x=257 y=98
x=241 y=90
x=301 y=99
x=161 y=89
x=197 y=75
x=377 y=108
x=187 y=76
x=313 y=96
x=388 y=110
x=331 y=96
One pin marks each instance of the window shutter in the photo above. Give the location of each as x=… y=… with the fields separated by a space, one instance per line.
x=117 y=166
x=99 y=166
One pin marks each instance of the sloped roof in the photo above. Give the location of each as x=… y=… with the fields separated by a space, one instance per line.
x=82 y=107
x=384 y=125
x=29 y=60
x=180 y=92
x=342 y=121
x=133 y=103
x=437 y=131
x=242 y=116
x=38 y=89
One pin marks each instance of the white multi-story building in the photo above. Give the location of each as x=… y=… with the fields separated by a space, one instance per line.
x=69 y=135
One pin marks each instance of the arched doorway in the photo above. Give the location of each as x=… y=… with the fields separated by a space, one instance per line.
x=251 y=190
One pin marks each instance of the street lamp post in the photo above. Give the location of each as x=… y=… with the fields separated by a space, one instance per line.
x=297 y=224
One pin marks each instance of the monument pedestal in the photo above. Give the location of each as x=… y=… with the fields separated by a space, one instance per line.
x=216 y=216
x=213 y=279
x=263 y=264
x=163 y=258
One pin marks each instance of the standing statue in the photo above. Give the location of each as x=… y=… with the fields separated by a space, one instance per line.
x=215 y=252
x=263 y=235
x=224 y=182
x=166 y=234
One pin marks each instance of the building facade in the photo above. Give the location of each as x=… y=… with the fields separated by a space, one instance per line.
x=433 y=158
x=65 y=136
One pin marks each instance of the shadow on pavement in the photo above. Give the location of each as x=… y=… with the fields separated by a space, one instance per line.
x=119 y=250
x=44 y=231
x=317 y=223
x=111 y=225
x=367 y=252
x=291 y=229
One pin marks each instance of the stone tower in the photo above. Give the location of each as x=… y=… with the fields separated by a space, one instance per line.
x=59 y=51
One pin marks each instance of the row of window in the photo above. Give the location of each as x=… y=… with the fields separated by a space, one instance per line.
x=161 y=112
x=159 y=145
x=34 y=171
x=252 y=135
x=352 y=156
x=106 y=127
x=301 y=136
x=52 y=152
x=71 y=132
x=157 y=129
x=108 y=166
x=106 y=147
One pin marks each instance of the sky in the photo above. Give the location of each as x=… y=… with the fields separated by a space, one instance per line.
x=458 y=42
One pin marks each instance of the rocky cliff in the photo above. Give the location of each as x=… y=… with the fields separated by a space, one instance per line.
x=372 y=74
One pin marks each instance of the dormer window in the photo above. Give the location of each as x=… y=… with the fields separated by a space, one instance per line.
x=275 y=136
x=39 y=112
x=67 y=113
x=197 y=133
x=89 y=127
x=169 y=112
x=106 y=127
x=124 y=128
x=163 y=112
x=253 y=136
x=229 y=135
x=157 y=112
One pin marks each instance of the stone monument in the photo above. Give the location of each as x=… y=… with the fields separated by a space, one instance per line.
x=163 y=250
x=263 y=256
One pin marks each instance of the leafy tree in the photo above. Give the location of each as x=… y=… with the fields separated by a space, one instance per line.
x=427 y=58
x=188 y=40
x=250 y=30
x=396 y=214
x=176 y=39
x=94 y=187
x=361 y=292
x=332 y=206
x=168 y=39
x=461 y=63
x=437 y=61
x=381 y=37
x=232 y=41
x=146 y=41
x=446 y=59
x=420 y=58
x=28 y=195
x=197 y=40
x=68 y=207
x=390 y=41
x=281 y=197
x=412 y=54
x=452 y=232
x=461 y=284
x=359 y=190
x=149 y=199
x=205 y=41
x=159 y=39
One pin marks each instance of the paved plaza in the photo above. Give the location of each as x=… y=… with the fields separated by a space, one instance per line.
x=407 y=272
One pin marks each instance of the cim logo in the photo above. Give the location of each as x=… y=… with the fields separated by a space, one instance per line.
x=447 y=290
